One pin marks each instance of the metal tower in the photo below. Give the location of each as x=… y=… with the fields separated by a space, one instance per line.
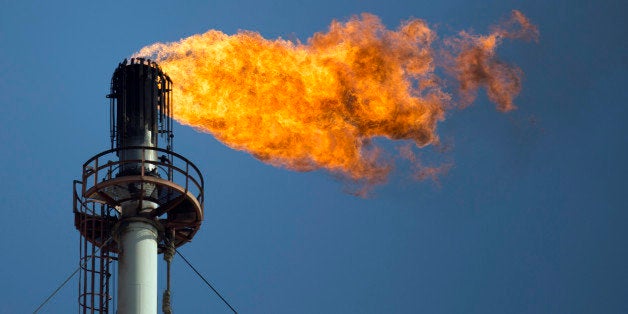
x=138 y=198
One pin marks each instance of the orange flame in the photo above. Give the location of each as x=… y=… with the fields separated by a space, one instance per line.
x=320 y=104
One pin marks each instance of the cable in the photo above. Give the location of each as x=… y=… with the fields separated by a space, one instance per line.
x=168 y=255
x=69 y=277
x=104 y=244
x=57 y=290
x=207 y=282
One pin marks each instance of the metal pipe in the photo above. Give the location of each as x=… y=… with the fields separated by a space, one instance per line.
x=135 y=91
x=137 y=268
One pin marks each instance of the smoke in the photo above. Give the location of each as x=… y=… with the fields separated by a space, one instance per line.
x=476 y=65
x=320 y=104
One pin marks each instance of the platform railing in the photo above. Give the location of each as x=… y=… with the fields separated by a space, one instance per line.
x=169 y=166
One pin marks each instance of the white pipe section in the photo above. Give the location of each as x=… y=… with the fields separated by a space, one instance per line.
x=137 y=268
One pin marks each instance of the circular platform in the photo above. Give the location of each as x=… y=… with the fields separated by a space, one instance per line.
x=171 y=182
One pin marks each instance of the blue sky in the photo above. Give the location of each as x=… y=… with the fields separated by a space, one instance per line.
x=531 y=218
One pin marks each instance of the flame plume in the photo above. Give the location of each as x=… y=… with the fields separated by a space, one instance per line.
x=320 y=104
